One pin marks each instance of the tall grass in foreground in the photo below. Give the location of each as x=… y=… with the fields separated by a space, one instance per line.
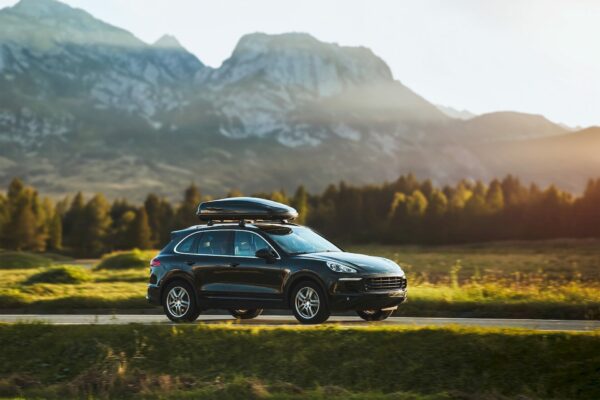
x=218 y=361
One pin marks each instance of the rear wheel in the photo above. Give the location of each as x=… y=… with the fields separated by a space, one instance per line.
x=246 y=314
x=374 y=315
x=179 y=302
x=309 y=303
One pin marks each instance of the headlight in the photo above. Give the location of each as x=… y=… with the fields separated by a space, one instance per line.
x=337 y=267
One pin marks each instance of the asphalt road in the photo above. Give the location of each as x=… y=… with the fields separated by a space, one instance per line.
x=275 y=320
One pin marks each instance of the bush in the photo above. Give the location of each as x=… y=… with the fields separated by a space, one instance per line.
x=126 y=260
x=20 y=259
x=64 y=274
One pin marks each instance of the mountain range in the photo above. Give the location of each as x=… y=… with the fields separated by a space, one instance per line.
x=87 y=106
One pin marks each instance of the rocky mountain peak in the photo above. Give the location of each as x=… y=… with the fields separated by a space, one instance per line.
x=168 y=42
x=42 y=8
x=301 y=61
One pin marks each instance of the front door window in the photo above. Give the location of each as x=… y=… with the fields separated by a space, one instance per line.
x=246 y=244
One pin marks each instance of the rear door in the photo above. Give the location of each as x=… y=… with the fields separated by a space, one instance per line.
x=212 y=263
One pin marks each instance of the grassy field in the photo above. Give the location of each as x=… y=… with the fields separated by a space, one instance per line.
x=228 y=362
x=551 y=279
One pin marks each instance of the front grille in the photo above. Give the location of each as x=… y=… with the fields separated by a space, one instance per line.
x=385 y=283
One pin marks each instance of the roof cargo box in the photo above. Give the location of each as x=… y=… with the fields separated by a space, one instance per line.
x=244 y=208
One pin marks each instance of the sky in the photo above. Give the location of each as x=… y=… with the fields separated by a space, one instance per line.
x=535 y=56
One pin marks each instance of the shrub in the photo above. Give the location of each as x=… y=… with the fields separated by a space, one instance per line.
x=20 y=259
x=127 y=259
x=62 y=274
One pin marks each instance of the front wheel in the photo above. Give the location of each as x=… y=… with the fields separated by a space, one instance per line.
x=246 y=314
x=374 y=315
x=179 y=302
x=309 y=303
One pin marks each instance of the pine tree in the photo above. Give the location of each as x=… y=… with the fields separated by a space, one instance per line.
x=186 y=213
x=4 y=218
x=55 y=232
x=494 y=197
x=73 y=224
x=300 y=203
x=140 y=231
x=25 y=228
x=96 y=223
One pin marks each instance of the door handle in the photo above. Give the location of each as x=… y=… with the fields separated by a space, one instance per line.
x=234 y=264
x=190 y=263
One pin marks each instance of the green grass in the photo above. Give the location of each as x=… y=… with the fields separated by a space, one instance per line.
x=20 y=260
x=67 y=274
x=101 y=289
x=553 y=279
x=127 y=259
x=551 y=261
x=161 y=361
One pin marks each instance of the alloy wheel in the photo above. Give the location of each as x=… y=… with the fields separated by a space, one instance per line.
x=307 y=302
x=178 y=301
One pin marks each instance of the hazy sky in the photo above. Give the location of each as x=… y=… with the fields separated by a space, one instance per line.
x=537 y=56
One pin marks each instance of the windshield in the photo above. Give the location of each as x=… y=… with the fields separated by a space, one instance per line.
x=299 y=240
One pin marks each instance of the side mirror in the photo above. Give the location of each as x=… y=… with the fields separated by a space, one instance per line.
x=267 y=254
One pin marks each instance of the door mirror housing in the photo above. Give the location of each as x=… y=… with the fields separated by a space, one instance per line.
x=267 y=254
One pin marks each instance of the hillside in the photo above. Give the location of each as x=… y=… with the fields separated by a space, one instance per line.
x=85 y=105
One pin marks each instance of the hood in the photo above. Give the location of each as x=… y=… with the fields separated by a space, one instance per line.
x=364 y=263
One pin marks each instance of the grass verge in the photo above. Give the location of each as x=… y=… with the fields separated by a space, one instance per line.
x=20 y=260
x=190 y=361
x=126 y=260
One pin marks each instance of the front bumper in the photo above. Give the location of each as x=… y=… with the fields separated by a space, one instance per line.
x=367 y=301
x=353 y=294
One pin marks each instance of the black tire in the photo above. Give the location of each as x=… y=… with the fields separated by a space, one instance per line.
x=374 y=315
x=304 y=316
x=246 y=314
x=187 y=314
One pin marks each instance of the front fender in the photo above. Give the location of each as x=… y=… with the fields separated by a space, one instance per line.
x=299 y=276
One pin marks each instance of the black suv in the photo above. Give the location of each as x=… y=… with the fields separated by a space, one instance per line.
x=248 y=257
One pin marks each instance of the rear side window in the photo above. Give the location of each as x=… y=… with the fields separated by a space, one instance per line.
x=215 y=243
x=189 y=245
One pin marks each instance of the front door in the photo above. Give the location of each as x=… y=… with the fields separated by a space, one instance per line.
x=256 y=278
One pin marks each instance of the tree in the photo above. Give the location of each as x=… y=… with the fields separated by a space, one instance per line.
x=300 y=203
x=55 y=232
x=73 y=224
x=95 y=226
x=460 y=196
x=25 y=228
x=140 y=231
x=494 y=198
x=186 y=213
x=417 y=204
x=4 y=217
x=438 y=203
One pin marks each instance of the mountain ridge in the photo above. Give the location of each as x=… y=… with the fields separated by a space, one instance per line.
x=86 y=105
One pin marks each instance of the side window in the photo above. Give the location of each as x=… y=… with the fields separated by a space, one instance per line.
x=189 y=244
x=215 y=242
x=246 y=244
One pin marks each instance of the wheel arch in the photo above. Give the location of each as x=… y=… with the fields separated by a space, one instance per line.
x=176 y=275
x=300 y=277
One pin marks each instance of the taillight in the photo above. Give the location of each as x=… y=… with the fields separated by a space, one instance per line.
x=155 y=263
